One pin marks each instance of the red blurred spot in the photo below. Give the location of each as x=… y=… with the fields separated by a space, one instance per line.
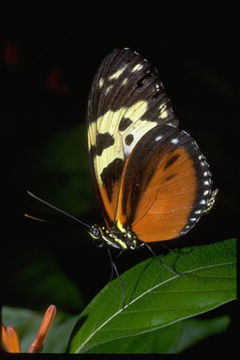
x=54 y=85
x=11 y=54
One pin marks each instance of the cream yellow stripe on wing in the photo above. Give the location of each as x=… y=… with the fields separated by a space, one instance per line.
x=117 y=73
x=109 y=155
x=92 y=131
x=163 y=113
x=143 y=126
x=137 y=110
x=109 y=123
x=100 y=83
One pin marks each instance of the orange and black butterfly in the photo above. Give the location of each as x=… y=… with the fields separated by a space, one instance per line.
x=151 y=180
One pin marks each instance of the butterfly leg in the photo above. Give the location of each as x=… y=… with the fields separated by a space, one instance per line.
x=114 y=268
x=177 y=251
x=112 y=271
x=111 y=261
x=161 y=262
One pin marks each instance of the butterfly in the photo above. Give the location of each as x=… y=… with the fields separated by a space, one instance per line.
x=151 y=179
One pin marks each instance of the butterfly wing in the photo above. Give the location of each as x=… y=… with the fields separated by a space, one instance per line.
x=166 y=185
x=126 y=101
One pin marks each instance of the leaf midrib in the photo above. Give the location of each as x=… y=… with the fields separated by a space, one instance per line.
x=143 y=294
x=150 y=330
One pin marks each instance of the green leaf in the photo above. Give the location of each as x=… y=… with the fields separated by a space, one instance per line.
x=27 y=323
x=170 y=339
x=157 y=298
x=65 y=172
x=40 y=279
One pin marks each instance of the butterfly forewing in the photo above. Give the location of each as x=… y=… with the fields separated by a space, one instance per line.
x=126 y=100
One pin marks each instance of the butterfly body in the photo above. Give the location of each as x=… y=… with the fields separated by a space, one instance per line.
x=151 y=180
x=122 y=240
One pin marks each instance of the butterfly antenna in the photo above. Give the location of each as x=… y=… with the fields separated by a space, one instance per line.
x=34 y=218
x=56 y=208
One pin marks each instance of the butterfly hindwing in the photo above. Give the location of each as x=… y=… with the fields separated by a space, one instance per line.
x=126 y=101
x=166 y=185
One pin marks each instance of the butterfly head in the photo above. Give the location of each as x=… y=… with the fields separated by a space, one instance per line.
x=113 y=238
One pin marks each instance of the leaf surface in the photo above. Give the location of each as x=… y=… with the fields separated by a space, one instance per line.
x=156 y=298
x=170 y=339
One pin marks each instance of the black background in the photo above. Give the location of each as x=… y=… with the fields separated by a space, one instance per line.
x=195 y=56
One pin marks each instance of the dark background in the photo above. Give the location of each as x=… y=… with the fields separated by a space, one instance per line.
x=49 y=58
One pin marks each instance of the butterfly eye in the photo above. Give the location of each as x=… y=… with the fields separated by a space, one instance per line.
x=95 y=232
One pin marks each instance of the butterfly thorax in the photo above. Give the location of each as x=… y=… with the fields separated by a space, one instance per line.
x=114 y=237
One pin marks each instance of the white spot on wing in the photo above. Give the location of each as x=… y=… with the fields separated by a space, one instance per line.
x=198 y=212
x=159 y=137
x=174 y=141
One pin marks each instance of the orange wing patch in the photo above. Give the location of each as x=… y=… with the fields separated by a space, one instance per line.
x=165 y=206
x=109 y=205
x=160 y=195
